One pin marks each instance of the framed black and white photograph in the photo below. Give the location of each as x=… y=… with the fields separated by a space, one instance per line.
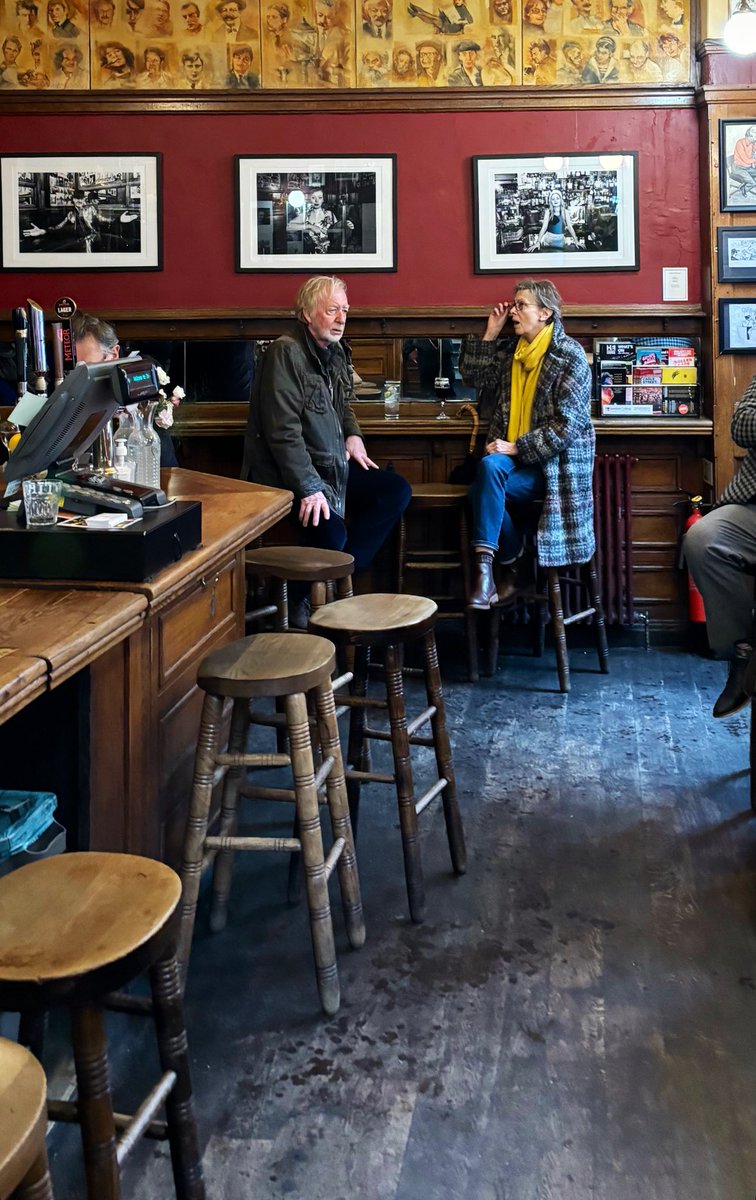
x=570 y=212
x=302 y=213
x=736 y=254
x=737 y=166
x=737 y=326
x=81 y=212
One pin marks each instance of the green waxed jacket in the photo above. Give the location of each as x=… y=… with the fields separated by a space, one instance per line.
x=300 y=416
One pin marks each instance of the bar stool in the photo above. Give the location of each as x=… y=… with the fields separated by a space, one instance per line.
x=24 y=1174
x=582 y=578
x=329 y=573
x=392 y=621
x=74 y=929
x=273 y=665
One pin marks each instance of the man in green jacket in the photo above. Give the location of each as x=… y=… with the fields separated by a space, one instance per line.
x=302 y=433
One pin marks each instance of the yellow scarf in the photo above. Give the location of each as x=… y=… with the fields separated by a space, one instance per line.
x=526 y=367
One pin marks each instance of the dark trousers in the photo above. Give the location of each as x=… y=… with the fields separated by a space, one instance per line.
x=375 y=500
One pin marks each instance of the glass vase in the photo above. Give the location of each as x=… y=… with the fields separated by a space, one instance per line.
x=144 y=446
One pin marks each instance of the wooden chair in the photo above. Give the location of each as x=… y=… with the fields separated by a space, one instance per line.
x=288 y=666
x=547 y=603
x=24 y=1172
x=392 y=621
x=329 y=573
x=74 y=929
x=443 y=503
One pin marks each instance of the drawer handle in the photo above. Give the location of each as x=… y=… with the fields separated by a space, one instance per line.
x=212 y=583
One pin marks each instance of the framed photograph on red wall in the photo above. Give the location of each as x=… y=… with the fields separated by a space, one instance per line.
x=561 y=212
x=306 y=213
x=81 y=212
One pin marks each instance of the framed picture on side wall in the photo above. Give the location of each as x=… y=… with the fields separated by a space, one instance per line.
x=309 y=213
x=737 y=326
x=736 y=254
x=737 y=166
x=81 y=212
x=568 y=212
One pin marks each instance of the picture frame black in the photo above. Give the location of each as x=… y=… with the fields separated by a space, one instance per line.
x=302 y=212
x=737 y=181
x=81 y=212
x=737 y=325
x=736 y=253
x=519 y=225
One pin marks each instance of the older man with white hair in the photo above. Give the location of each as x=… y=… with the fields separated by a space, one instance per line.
x=302 y=433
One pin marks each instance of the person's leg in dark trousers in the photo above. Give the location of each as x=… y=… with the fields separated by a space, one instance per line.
x=375 y=500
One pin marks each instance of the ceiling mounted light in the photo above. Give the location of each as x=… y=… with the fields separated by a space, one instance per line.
x=553 y=164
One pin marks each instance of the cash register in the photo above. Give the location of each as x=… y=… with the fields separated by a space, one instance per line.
x=158 y=531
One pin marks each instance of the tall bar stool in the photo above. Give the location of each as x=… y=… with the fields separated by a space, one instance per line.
x=329 y=573
x=74 y=929
x=24 y=1173
x=273 y=665
x=392 y=621
x=445 y=504
x=582 y=579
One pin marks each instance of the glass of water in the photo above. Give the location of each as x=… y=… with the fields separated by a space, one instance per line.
x=41 y=499
x=391 y=393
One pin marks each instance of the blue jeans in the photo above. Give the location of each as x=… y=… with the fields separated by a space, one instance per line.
x=501 y=484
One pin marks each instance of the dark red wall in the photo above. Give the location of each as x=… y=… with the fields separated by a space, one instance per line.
x=434 y=187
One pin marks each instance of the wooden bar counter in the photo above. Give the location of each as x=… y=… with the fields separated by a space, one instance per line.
x=126 y=655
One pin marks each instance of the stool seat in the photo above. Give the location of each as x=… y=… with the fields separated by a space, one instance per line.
x=74 y=930
x=83 y=912
x=300 y=563
x=23 y=1115
x=430 y=495
x=267 y=664
x=379 y=617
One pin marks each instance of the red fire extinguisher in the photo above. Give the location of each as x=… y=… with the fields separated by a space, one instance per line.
x=695 y=599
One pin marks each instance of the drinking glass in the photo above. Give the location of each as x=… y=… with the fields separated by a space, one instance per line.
x=41 y=498
x=391 y=392
x=442 y=388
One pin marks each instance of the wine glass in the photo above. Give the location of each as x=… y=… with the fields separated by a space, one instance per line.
x=442 y=388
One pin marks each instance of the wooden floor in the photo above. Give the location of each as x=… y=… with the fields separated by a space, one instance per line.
x=576 y=1020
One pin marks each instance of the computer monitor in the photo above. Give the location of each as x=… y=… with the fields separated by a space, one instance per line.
x=71 y=418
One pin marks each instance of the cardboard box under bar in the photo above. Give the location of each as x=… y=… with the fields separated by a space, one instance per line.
x=128 y=555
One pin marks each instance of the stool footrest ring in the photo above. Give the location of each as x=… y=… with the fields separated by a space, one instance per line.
x=431 y=794
x=143 y=1116
x=369 y=777
x=239 y=842
x=333 y=856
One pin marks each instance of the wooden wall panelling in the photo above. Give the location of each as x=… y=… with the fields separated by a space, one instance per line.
x=726 y=375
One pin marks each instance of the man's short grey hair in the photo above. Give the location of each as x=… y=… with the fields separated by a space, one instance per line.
x=313 y=291
x=84 y=325
x=544 y=293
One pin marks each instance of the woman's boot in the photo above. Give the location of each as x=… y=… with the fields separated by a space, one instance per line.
x=484 y=592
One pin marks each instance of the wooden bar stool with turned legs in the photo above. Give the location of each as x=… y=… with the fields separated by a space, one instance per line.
x=288 y=666
x=328 y=572
x=392 y=621
x=74 y=930
x=23 y=1123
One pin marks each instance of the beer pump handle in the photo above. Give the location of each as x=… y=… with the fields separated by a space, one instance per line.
x=21 y=327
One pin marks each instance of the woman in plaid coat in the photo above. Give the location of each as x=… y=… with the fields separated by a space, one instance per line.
x=540 y=444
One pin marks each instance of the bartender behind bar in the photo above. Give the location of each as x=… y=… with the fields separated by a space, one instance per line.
x=97 y=342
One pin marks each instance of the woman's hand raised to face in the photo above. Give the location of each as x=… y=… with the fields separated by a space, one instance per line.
x=496 y=321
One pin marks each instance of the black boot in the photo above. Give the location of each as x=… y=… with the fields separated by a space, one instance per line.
x=484 y=592
x=735 y=695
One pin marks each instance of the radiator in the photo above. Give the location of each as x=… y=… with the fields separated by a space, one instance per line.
x=613 y=521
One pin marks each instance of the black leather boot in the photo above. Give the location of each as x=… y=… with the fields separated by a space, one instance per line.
x=484 y=592
x=735 y=694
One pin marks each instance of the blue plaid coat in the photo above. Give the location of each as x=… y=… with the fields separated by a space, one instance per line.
x=561 y=438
